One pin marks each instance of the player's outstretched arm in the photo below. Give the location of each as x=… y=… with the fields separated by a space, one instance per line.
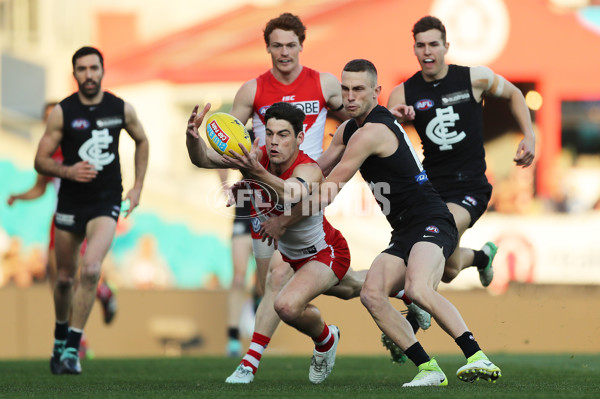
x=36 y=191
x=200 y=154
x=485 y=81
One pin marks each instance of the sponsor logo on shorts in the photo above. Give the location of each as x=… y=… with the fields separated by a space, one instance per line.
x=217 y=135
x=432 y=229
x=310 y=250
x=64 y=219
x=80 y=124
x=424 y=104
x=455 y=98
x=421 y=177
x=109 y=121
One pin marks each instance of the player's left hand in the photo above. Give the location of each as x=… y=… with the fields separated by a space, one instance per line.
x=272 y=229
x=134 y=199
x=525 y=153
x=247 y=163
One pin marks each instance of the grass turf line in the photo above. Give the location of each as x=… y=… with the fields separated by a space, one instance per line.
x=523 y=376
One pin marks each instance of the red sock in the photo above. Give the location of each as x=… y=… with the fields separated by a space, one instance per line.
x=401 y=295
x=257 y=347
x=324 y=341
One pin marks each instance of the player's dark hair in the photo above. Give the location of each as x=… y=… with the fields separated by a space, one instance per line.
x=362 y=65
x=428 y=23
x=288 y=112
x=287 y=22
x=86 y=50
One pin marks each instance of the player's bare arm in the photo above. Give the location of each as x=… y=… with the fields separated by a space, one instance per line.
x=332 y=93
x=82 y=171
x=486 y=82
x=243 y=101
x=334 y=152
x=36 y=191
x=200 y=154
x=398 y=107
x=134 y=128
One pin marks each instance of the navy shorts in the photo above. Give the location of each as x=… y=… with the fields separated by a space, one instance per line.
x=241 y=223
x=473 y=196
x=74 y=216
x=440 y=231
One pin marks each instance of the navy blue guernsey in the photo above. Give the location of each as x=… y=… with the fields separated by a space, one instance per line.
x=450 y=124
x=398 y=182
x=91 y=133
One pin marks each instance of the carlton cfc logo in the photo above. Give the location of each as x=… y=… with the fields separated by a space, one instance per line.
x=424 y=104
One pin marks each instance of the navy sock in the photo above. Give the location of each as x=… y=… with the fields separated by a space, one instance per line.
x=60 y=330
x=417 y=354
x=467 y=344
x=73 y=338
x=480 y=259
x=233 y=333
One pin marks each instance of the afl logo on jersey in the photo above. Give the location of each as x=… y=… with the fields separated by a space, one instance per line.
x=424 y=104
x=80 y=124
x=432 y=229
x=263 y=110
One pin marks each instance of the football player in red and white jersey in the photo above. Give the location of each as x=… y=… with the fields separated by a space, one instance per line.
x=317 y=253
x=288 y=81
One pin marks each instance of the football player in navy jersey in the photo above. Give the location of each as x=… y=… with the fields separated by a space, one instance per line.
x=444 y=103
x=424 y=234
x=86 y=125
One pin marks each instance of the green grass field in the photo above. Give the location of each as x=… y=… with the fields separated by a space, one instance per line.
x=523 y=376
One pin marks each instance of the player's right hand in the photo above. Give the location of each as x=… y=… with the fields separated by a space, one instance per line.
x=82 y=172
x=403 y=112
x=196 y=120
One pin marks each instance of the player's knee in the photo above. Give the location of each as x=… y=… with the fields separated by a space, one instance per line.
x=371 y=298
x=64 y=284
x=450 y=274
x=417 y=293
x=287 y=311
x=90 y=272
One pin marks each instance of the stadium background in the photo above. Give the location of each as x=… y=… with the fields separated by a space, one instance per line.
x=170 y=259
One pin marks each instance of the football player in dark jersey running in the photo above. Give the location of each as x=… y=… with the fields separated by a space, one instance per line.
x=444 y=103
x=86 y=125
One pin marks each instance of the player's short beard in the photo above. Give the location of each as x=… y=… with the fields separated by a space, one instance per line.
x=86 y=93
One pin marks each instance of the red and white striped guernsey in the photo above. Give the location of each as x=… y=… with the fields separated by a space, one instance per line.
x=306 y=93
